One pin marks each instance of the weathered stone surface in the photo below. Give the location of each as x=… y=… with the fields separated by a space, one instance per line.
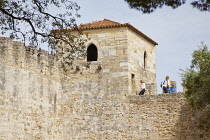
x=40 y=101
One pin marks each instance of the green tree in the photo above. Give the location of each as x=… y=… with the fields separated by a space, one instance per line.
x=149 y=6
x=197 y=89
x=32 y=21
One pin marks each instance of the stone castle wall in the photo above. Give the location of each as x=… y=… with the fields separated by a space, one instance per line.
x=37 y=102
x=30 y=93
x=112 y=57
x=95 y=115
x=121 y=57
x=142 y=61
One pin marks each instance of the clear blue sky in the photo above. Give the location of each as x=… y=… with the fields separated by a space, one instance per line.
x=178 y=32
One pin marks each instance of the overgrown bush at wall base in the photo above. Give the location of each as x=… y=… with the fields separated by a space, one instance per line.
x=204 y=118
x=197 y=89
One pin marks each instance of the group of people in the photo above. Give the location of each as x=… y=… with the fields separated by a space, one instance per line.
x=165 y=85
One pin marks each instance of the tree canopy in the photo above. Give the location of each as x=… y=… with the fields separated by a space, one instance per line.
x=197 y=79
x=149 y=6
x=33 y=21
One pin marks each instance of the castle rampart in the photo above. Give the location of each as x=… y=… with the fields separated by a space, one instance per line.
x=14 y=53
x=40 y=101
x=30 y=93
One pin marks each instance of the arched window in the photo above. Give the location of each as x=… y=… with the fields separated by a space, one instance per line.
x=92 y=53
x=145 y=59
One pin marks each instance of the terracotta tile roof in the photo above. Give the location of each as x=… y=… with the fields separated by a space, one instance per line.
x=106 y=23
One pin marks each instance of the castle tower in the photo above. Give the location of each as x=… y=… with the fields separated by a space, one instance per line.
x=120 y=56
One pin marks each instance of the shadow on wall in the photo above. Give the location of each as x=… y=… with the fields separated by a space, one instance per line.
x=187 y=126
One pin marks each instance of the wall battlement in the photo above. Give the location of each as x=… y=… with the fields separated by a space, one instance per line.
x=14 y=53
x=30 y=91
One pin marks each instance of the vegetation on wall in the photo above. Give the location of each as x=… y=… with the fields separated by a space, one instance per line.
x=197 y=80
x=149 y=6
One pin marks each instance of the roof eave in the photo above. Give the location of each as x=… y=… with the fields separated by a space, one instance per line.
x=123 y=25
x=113 y=26
x=142 y=34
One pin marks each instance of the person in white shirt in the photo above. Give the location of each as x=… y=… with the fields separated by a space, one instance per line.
x=143 y=87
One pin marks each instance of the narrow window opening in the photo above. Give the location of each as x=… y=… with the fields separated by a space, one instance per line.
x=145 y=59
x=132 y=76
x=133 y=83
x=92 y=53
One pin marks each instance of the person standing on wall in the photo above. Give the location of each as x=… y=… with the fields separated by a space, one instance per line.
x=143 y=87
x=166 y=84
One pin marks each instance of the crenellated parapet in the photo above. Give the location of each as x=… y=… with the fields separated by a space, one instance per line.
x=14 y=53
x=30 y=91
